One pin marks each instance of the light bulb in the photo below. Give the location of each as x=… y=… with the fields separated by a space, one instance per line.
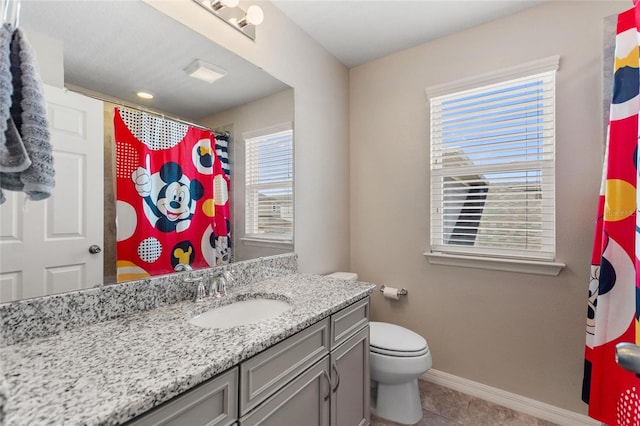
x=219 y=4
x=254 y=15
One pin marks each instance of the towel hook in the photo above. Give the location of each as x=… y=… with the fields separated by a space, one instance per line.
x=11 y=13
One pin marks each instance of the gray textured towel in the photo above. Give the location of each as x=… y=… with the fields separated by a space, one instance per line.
x=13 y=155
x=4 y=393
x=29 y=114
x=8 y=158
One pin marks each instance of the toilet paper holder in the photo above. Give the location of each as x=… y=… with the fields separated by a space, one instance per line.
x=401 y=291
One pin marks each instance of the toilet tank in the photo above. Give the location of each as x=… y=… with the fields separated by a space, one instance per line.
x=350 y=276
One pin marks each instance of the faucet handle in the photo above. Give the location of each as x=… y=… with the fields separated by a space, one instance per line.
x=228 y=276
x=222 y=286
x=201 y=294
x=213 y=285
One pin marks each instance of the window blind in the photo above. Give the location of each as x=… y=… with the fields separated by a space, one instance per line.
x=269 y=186
x=493 y=169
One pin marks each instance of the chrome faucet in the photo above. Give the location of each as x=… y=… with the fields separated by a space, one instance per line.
x=219 y=282
x=201 y=293
x=214 y=285
x=222 y=285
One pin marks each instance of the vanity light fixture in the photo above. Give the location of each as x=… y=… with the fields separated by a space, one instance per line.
x=234 y=15
x=205 y=71
x=144 y=95
x=254 y=16
x=219 y=4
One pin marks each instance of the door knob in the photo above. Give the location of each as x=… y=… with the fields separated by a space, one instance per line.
x=628 y=357
x=95 y=249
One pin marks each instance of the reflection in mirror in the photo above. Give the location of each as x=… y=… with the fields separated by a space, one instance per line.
x=94 y=57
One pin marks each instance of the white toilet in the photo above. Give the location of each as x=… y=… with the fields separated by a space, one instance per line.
x=397 y=357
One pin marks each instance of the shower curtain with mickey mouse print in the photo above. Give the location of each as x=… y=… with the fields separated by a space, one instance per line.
x=172 y=197
x=613 y=394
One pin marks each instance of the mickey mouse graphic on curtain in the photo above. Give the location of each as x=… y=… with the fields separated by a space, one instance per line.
x=170 y=196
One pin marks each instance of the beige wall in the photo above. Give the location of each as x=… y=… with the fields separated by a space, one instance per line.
x=521 y=333
x=263 y=113
x=517 y=332
x=321 y=85
x=49 y=53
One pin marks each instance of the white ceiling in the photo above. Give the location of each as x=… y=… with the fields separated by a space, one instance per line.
x=358 y=31
x=116 y=48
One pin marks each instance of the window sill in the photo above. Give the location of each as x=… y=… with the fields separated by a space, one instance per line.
x=267 y=242
x=496 y=264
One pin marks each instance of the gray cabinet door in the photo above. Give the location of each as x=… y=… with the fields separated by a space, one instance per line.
x=270 y=370
x=350 y=398
x=214 y=402
x=303 y=402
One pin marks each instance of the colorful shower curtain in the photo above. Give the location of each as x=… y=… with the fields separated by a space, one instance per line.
x=222 y=151
x=613 y=394
x=172 y=197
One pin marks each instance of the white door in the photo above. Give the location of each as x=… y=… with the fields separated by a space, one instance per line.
x=44 y=245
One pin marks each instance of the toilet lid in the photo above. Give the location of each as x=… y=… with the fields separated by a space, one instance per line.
x=390 y=338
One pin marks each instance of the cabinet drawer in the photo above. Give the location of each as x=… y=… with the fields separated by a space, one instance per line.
x=211 y=403
x=268 y=371
x=348 y=321
x=302 y=402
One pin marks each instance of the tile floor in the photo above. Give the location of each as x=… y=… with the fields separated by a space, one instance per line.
x=442 y=406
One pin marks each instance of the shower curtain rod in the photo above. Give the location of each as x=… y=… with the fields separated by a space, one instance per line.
x=119 y=102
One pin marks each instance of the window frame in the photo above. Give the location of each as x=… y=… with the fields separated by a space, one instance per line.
x=483 y=258
x=264 y=239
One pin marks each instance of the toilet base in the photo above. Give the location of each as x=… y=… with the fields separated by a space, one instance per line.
x=399 y=403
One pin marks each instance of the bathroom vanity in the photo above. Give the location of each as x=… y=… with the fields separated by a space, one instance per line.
x=319 y=376
x=308 y=365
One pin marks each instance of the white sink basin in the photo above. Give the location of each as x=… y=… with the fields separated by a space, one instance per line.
x=240 y=313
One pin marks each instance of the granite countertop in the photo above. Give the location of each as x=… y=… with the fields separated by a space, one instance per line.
x=110 y=372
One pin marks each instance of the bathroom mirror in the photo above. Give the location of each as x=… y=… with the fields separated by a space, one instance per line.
x=111 y=50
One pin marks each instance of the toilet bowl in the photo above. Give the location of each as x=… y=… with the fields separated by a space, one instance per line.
x=397 y=357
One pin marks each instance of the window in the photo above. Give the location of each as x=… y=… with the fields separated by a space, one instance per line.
x=493 y=165
x=269 y=184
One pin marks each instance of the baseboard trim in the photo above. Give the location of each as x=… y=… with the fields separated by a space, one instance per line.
x=510 y=400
